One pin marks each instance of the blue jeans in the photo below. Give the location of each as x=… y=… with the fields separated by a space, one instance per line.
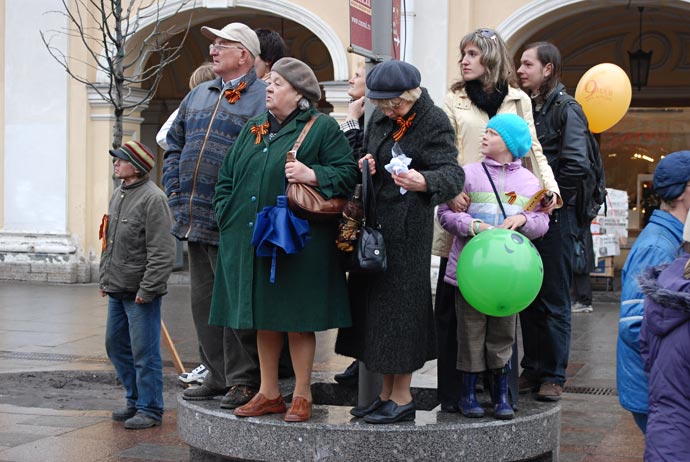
x=133 y=344
x=546 y=323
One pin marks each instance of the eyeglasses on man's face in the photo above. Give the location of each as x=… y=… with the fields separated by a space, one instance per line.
x=219 y=46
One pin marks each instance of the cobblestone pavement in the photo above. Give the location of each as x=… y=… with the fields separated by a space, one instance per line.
x=57 y=387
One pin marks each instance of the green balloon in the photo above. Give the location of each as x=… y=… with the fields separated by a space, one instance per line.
x=499 y=272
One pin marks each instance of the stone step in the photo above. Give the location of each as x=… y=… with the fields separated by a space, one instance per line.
x=332 y=434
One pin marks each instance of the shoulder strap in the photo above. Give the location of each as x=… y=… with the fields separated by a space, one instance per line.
x=498 y=198
x=368 y=197
x=560 y=103
x=292 y=153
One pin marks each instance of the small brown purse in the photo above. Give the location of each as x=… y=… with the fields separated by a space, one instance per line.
x=304 y=200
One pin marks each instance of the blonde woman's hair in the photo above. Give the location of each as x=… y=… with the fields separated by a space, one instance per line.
x=201 y=74
x=495 y=59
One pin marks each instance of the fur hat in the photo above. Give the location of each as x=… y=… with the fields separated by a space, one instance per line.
x=137 y=154
x=391 y=79
x=672 y=174
x=300 y=76
x=514 y=131
x=236 y=32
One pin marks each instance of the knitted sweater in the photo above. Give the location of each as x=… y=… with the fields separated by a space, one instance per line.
x=203 y=132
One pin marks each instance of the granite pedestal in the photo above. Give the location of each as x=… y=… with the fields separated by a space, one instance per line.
x=332 y=434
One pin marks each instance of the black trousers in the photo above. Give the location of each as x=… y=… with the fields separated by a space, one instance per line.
x=546 y=323
x=449 y=378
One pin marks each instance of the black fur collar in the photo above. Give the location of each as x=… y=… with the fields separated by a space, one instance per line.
x=487 y=102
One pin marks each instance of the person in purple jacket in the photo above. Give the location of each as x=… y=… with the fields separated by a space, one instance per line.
x=657 y=244
x=665 y=349
x=485 y=342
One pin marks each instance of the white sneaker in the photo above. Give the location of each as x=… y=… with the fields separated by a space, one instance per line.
x=578 y=307
x=195 y=376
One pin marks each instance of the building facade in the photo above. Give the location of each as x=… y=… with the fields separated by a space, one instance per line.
x=55 y=132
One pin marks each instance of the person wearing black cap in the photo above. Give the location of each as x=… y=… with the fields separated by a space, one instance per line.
x=137 y=258
x=658 y=243
x=208 y=122
x=393 y=325
x=298 y=293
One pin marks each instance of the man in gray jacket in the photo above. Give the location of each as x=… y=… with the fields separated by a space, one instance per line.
x=137 y=259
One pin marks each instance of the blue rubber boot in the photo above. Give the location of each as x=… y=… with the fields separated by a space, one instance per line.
x=469 y=406
x=503 y=410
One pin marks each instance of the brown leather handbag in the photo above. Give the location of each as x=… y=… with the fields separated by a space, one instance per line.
x=304 y=200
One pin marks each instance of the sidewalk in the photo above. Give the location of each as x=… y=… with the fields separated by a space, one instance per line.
x=50 y=334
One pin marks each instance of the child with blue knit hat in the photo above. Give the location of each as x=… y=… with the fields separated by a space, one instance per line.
x=503 y=194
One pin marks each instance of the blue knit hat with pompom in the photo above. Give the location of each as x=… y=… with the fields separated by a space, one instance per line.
x=514 y=131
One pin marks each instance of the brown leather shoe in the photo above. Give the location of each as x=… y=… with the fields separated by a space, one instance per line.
x=259 y=405
x=549 y=392
x=300 y=410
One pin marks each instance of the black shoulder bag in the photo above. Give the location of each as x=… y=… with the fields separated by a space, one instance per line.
x=369 y=255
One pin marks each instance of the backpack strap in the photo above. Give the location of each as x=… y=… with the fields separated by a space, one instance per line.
x=559 y=104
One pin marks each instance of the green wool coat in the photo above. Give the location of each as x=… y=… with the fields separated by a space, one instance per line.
x=309 y=293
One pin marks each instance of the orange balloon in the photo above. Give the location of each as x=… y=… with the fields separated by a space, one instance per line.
x=604 y=92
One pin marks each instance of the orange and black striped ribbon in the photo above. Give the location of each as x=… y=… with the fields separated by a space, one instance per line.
x=259 y=131
x=233 y=95
x=103 y=232
x=404 y=125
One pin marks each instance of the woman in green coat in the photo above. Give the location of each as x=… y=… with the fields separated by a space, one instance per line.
x=309 y=292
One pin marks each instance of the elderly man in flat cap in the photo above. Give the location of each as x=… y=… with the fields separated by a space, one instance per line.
x=210 y=118
x=658 y=243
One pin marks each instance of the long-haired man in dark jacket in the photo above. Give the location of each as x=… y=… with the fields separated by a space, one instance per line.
x=546 y=323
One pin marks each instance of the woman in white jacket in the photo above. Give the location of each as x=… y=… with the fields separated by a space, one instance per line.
x=488 y=86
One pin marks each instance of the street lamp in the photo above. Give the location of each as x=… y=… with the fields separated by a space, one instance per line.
x=639 y=61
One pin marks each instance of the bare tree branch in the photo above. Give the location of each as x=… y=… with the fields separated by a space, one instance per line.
x=106 y=31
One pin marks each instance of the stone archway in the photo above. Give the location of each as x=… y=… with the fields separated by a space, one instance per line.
x=590 y=33
x=282 y=8
x=323 y=47
x=538 y=14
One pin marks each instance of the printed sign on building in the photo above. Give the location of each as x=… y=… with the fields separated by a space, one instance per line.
x=360 y=27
